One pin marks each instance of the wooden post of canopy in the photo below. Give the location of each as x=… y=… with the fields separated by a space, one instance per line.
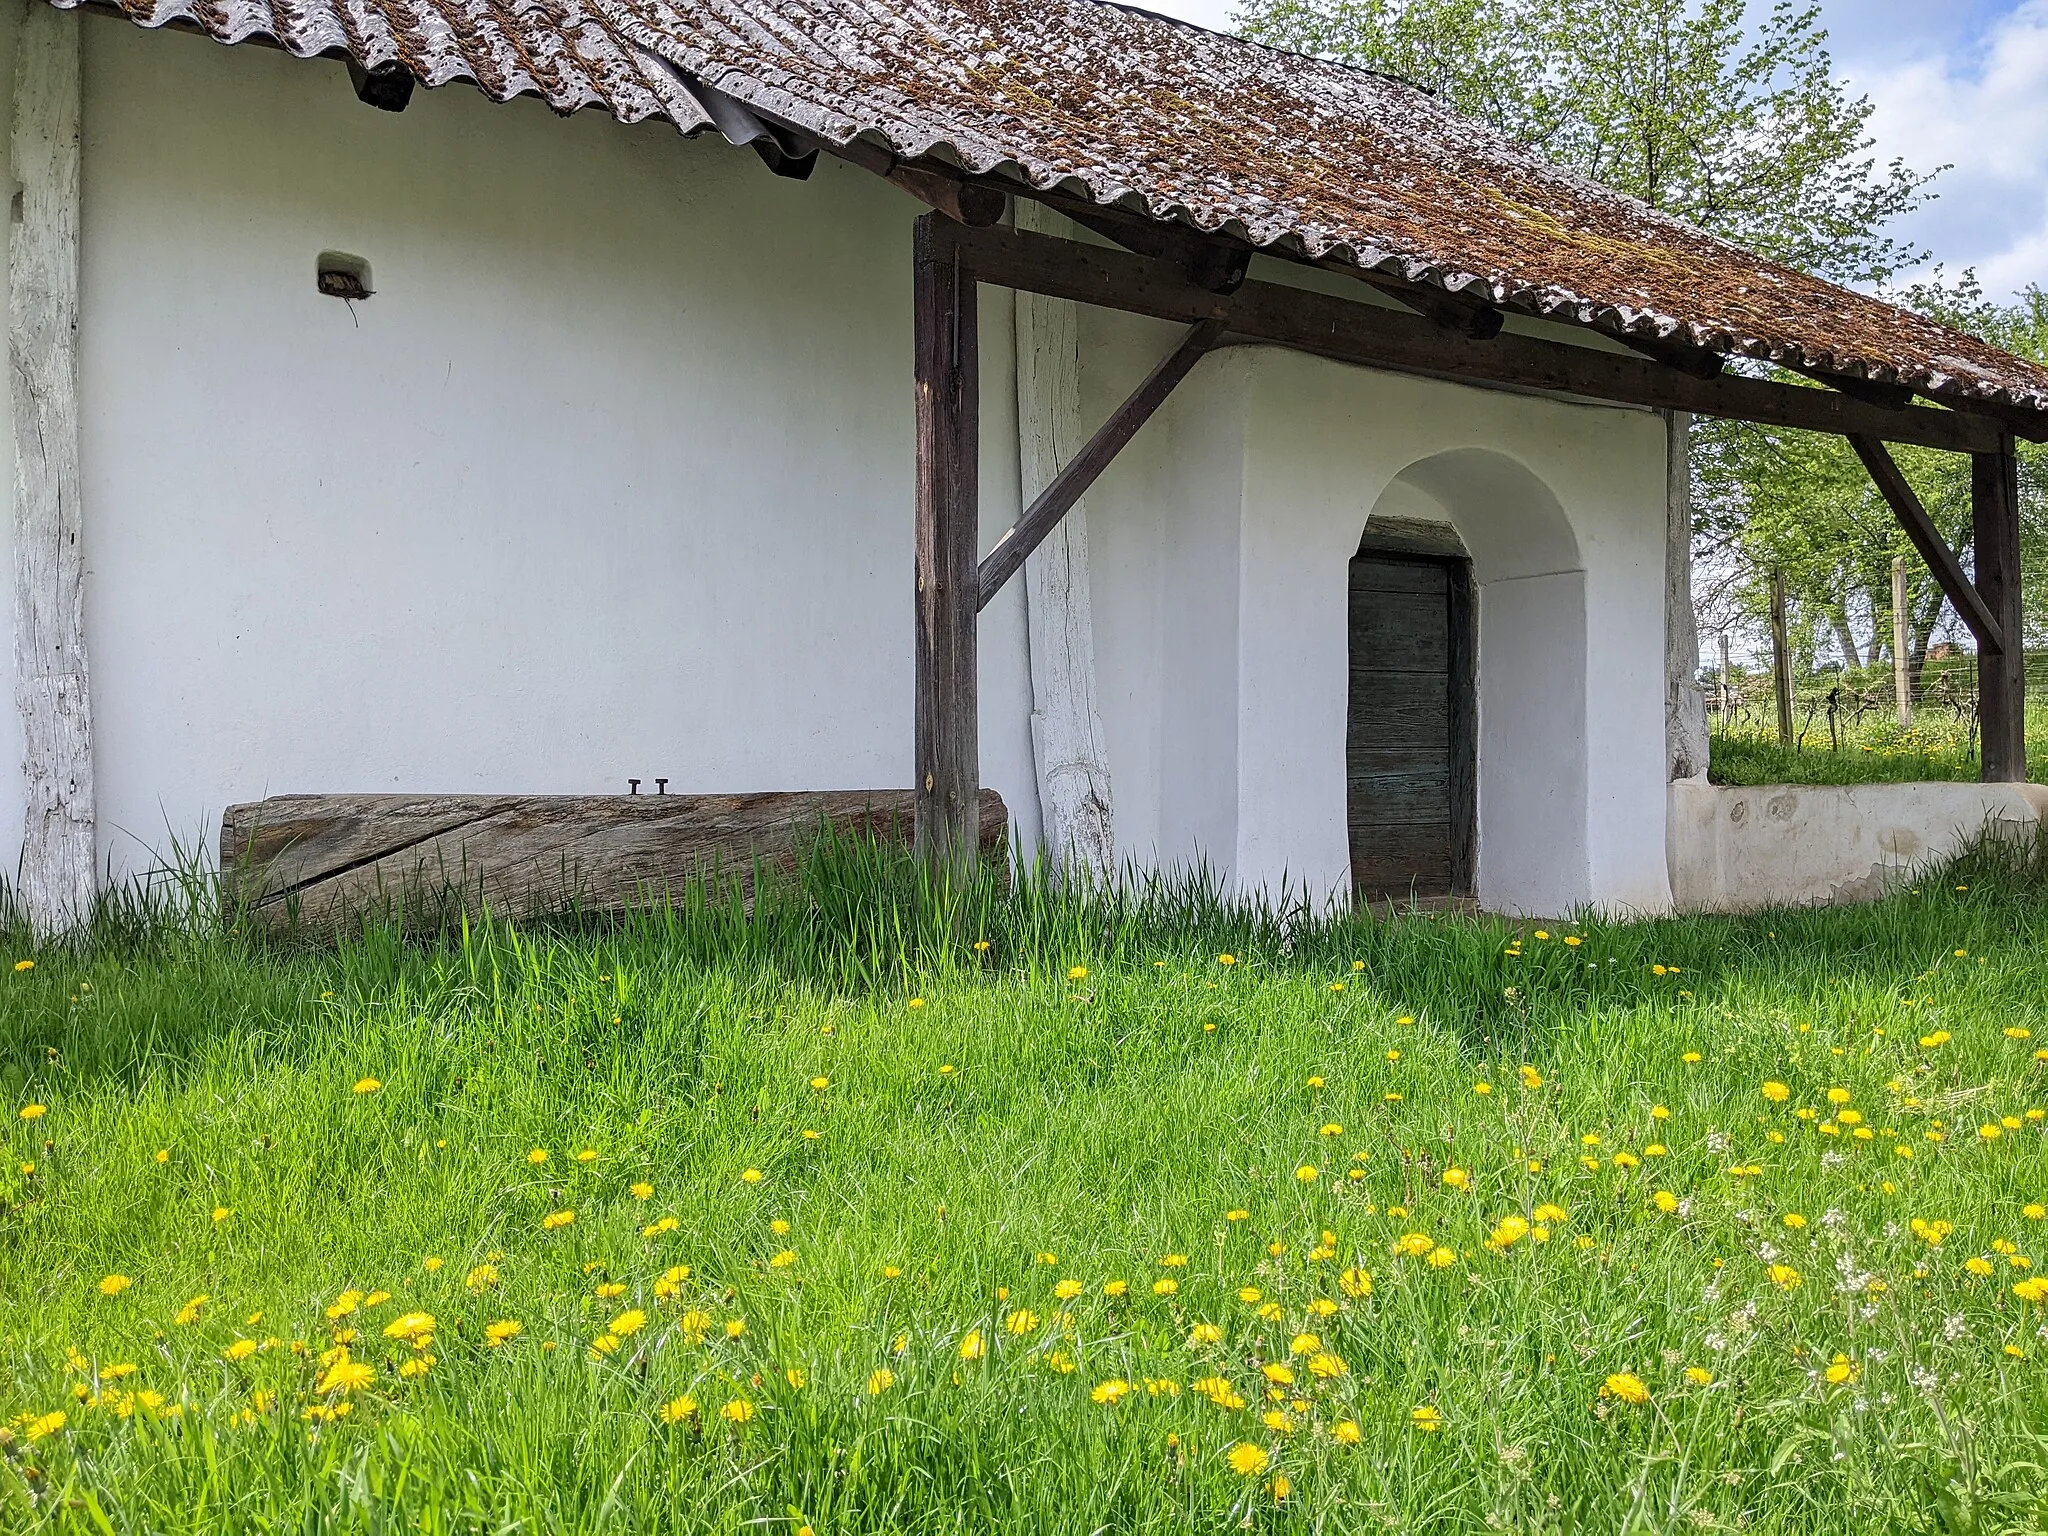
x=947 y=366
x=2001 y=672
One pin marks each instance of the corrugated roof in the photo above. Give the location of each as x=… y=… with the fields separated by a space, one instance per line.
x=1126 y=108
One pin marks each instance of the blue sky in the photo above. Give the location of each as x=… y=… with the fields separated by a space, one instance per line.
x=1956 y=82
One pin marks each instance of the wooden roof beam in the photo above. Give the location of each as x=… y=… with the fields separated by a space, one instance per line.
x=1347 y=330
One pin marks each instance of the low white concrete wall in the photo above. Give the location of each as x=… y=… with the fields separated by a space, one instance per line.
x=1790 y=845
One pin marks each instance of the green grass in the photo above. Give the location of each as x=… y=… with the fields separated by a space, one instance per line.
x=1878 y=750
x=990 y=1124
x=1742 y=758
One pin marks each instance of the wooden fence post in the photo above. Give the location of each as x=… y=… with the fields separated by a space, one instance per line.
x=1902 y=684
x=947 y=364
x=1781 y=659
x=2001 y=674
x=51 y=686
x=1726 y=702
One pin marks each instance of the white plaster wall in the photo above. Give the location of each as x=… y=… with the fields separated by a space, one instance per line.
x=611 y=476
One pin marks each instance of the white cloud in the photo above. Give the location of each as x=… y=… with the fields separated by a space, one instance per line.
x=1982 y=109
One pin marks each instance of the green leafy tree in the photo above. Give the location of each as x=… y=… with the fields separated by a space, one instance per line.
x=1744 y=130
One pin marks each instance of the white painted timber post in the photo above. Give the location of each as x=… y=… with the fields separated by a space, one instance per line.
x=1685 y=706
x=56 y=881
x=1066 y=726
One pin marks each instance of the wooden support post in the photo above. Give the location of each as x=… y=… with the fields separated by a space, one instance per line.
x=1781 y=659
x=51 y=689
x=1902 y=682
x=1724 y=679
x=947 y=365
x=2001 y=673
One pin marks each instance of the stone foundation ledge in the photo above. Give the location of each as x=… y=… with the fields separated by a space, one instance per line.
x=1739 y=849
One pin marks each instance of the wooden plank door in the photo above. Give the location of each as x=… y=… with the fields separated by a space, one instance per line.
x=1411 y=738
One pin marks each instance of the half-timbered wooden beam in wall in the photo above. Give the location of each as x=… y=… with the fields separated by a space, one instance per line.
x=51 y=687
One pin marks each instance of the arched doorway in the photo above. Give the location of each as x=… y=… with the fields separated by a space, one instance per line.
x=1412 y=723
x=1509 y=619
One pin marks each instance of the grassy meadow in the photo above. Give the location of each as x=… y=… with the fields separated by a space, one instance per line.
x=1123 y=1212
x=1940 y=743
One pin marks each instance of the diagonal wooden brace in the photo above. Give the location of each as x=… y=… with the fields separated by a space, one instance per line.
x=1071 y=483
x=1941 y=560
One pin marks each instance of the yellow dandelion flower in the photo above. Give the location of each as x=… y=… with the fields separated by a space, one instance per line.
x=555 y=1220
x=1306 y=1173
x=34 y=1111
x=1626 y=1386
x=1110 y=1393
x=973 y=1347
x=367 y=1085
x=1426 y=1419
x=346 y=1375
x=738 y=1411
x=1248 y=1460
x=114 y=1285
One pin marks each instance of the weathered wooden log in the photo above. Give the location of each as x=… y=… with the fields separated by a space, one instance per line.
x=322 y=863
